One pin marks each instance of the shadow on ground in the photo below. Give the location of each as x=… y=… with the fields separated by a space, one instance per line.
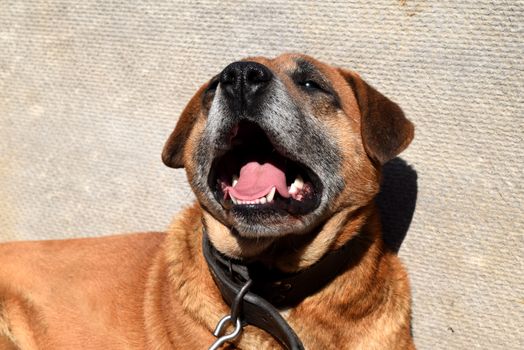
x=396 y=201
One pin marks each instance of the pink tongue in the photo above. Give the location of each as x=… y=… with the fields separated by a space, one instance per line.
x=255 y=181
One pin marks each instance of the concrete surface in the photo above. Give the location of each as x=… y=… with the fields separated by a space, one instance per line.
x=90 y=90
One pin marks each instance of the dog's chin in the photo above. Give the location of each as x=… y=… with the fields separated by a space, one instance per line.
x=267 y=220
x=255 y=221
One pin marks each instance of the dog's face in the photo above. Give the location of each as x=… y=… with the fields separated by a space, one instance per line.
x=274 y=147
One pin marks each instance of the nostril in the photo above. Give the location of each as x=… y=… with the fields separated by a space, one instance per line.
x=231 y=74
x=228 y=77
x=254 y=75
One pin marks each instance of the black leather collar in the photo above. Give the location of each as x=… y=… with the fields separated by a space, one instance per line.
x=271 y=289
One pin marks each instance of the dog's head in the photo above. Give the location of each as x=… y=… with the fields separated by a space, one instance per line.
x=277 y=147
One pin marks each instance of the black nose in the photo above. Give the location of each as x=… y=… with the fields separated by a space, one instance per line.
x=243 y=82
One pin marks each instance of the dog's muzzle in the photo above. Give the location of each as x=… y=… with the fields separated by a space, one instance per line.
x=250 y=176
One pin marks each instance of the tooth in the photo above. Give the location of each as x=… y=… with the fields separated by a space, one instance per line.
x=270 y=195
x=257 y=201
x=292 y=188
x=263 y=200
x=234 y=181
x=235 y=201
x=299 y=182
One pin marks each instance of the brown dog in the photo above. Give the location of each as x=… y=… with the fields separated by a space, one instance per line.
x=284 y=156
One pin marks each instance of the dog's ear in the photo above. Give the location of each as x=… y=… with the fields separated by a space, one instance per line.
x=385 y=130
x=173 y=153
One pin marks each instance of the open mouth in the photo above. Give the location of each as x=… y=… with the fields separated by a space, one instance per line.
x=252 y=175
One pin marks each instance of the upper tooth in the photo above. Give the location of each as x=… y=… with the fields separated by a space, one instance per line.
x=299 y=182
x=234 y=181
x=292 y=189
x=270 y=195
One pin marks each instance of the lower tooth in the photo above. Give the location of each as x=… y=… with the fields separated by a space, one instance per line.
x=263 y=200
x=270 y=195
x=299 y=182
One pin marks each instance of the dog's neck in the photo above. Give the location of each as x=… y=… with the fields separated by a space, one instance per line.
x=208 y=306
x=293 y=252
x=343 y=243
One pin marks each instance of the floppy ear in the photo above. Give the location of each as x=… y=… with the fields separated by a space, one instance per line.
x=173 y=152
x=385 y=130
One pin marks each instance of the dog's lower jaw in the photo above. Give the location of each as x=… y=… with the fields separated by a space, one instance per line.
x=293 y=252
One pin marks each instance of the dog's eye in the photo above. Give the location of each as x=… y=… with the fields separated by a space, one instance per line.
x=310 y=85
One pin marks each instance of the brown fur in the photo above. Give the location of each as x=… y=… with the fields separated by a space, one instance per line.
x=154 y=291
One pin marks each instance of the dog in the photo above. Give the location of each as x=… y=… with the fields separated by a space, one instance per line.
x=283 y=245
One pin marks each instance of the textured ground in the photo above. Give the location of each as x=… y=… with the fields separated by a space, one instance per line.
x=89 y=91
